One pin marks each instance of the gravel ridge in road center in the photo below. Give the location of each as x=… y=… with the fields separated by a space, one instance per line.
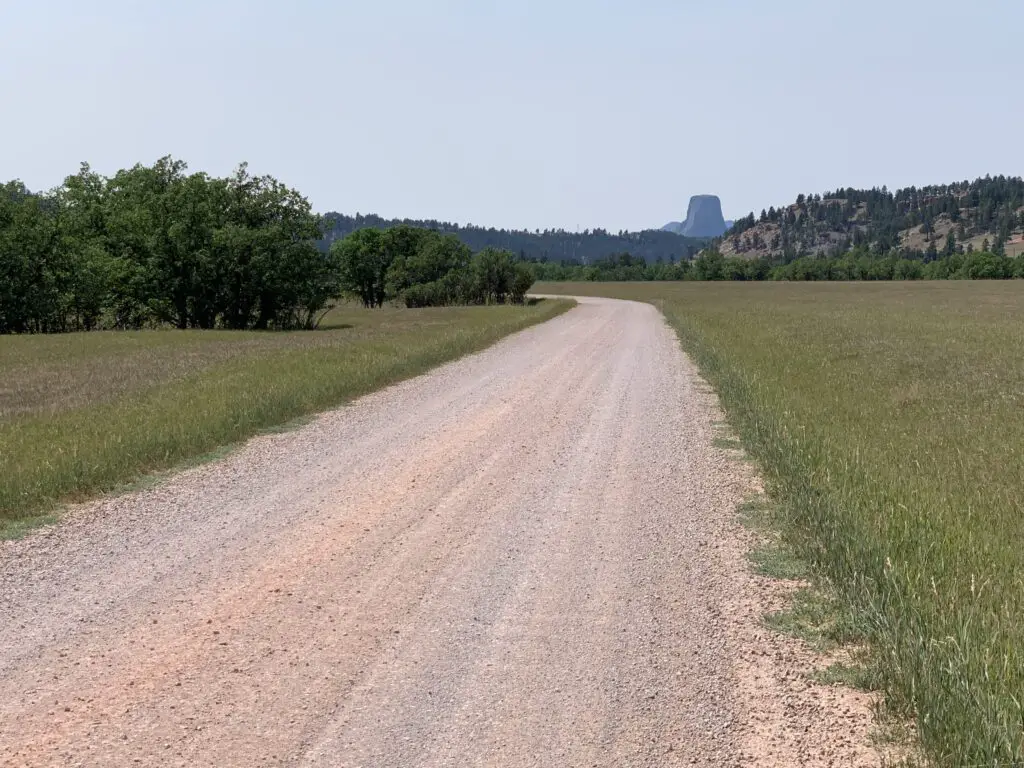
x=525 y=557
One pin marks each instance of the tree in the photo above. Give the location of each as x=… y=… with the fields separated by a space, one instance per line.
x=950 y=248
x=94 y=280
x=363 y=261
x=419 y=256
x=274 y=273
x=492 y=276
x=908 y=269
x=29 y=275
x=985 y=266
x=522 y=281
x=139 y=217
x=709 y=265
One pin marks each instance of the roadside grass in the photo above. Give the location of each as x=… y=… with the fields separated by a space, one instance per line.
x=728 y=443
x=888 y=422
x=86 y=413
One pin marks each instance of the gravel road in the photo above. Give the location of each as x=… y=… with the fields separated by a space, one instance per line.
x=527 y=557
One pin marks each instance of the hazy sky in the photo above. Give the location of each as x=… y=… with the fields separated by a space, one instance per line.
x=524 y=113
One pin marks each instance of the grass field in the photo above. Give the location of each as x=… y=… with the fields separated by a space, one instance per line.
x=84 y=413
x=888 y=420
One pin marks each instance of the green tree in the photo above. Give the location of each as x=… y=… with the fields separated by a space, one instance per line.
x=92 y=276
x=30 y=291
x=272 y=274
x=492 y=276
x=908 y=269
x=421 y=256
x=983 y=265
x=709 y=265
x=363 y=261
x=522 y=281
x=950 y=248
x=143 y=209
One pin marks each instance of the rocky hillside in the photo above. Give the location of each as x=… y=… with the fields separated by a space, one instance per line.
x=987 y=214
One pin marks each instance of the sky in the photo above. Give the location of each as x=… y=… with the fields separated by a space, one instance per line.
x=529 y=114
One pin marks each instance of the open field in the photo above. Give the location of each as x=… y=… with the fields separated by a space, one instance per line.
x=888 y=420
x=85 y=412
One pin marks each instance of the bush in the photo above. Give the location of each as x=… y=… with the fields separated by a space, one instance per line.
x=522 y=280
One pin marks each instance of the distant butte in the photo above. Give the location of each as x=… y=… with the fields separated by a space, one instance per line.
x=703 y=218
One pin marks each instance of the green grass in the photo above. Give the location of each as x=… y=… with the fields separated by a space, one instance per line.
x=86 y=413
x=888 y=421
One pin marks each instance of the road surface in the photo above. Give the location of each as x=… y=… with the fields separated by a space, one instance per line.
x=519 y=559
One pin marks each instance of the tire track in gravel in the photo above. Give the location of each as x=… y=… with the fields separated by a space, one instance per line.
x=525 y=557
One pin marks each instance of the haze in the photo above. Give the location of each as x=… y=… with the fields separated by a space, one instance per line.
x=519 y=114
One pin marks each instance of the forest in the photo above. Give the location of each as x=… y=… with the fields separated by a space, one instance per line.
x=550 y=245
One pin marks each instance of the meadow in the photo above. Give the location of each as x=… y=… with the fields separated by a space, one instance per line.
x=888 y=422
x=84 y=413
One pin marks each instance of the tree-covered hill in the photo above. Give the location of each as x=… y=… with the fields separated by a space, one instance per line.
x=985 y=214
x=556 y=246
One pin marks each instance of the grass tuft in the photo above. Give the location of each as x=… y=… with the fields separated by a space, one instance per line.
x=779 y=562
x=728 y=444
x=848 y=675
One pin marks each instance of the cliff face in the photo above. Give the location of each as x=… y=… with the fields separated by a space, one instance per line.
x=703 y=218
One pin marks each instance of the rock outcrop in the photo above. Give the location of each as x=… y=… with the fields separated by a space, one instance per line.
x=703 y=218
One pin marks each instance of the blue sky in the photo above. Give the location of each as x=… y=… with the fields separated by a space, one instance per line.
x=527 y=114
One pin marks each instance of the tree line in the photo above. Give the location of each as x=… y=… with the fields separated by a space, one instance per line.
x=863 y=264
x=860 y=263
x=158 y=245
x=552 y=245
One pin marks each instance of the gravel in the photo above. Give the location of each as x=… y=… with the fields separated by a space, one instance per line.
x=528 y=557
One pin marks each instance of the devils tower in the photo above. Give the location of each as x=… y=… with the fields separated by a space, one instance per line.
x=703 y=218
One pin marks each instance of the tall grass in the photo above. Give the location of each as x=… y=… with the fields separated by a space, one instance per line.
x=889 y=422
x=147 y=401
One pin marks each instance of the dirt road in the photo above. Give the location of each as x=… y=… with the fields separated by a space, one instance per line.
x=524 y=558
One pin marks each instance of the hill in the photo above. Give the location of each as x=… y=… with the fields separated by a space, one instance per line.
x=550 y=245
x=947 y=218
